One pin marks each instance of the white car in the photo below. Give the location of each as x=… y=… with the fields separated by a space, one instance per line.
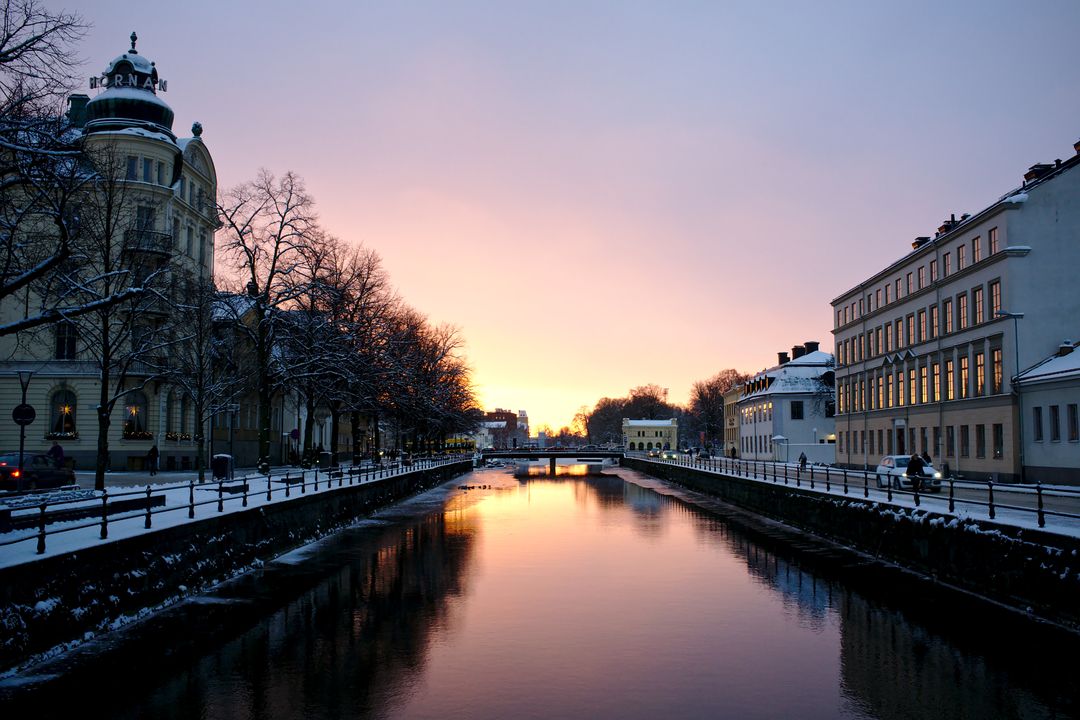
x=892 y=470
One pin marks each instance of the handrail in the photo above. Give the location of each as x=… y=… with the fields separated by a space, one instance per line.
x=98 y=506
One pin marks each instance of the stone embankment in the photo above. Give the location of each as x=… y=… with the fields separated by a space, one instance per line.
x=1034 y=572
x=55 y=601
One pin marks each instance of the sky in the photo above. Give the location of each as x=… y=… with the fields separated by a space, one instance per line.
x=602 y=195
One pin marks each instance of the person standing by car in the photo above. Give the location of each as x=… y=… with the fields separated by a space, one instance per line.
x=151 y=460
x=57 y=454
x=915 y=471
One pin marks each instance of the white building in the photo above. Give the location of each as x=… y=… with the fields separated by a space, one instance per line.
x=1050 y=398
x=787 y=410
x=927 y=346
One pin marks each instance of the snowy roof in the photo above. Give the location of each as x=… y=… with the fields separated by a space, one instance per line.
x=1056 y=367
x=130 y=93
x=802 y=375
x=645 y=423
x=229 y=306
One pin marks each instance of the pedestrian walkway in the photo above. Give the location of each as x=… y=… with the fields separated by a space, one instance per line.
x=142 y=478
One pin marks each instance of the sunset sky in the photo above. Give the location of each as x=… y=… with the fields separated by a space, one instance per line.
x=608 y=194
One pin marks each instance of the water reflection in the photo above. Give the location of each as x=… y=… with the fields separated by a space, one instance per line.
x=590 y=597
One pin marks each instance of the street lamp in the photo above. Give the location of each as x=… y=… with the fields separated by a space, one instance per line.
x=24 y=381
x=1015 y=380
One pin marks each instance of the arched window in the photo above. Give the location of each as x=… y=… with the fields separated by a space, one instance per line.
x=62 y=414
x=170 y=412
x=135 y=416
x=185 y=427
x=650 y=446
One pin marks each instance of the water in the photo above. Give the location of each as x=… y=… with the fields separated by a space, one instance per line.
x=578 y=597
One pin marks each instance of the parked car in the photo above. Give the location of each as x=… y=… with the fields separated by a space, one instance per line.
x=653 y=453
x=669 y=455
x=703 y=454
x=39 y=471
x=892 y=470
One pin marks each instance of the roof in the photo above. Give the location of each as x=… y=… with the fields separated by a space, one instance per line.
x=1055 y=367
x=644 y=423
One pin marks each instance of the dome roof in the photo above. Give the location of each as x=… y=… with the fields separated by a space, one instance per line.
x=130 y=97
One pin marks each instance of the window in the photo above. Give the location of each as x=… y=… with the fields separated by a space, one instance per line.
x=899 y=334
x=880 y=392
x=977 y=301
x=937 y=442
x=935 y=387
x=995 y=371
x=183 y=181
x=190 y=235
x=922 y=276
x=992 y=240
x=965 y=441
x=980 y=441
x=135 y=417
x=962 y=311
x=910 y=330
x=961 y=257
x=909 y=287
x=1055 y=423
x=889 y=389
x=160 y=173
x=933 y=270
x=933 y=322
x=888 y=337
x=900 y=389
x=995 y=298
x=924 y=386
x=947 y=260
x=878 y=347
x=148 y=170
x=796 y=409
x=1074 y=423
x=911 y=386
x=877 y=298
x=1036 y=423
x=999 y=441
x=946 y=310
x=871 y=442
x=950 y=441
x=886 y=294
x=66 y=335
x=980 y=374
x=132 y=168
x=976 y=250
x=62 y=415
x=963 y=376
x=897 y=288
x=950 y=388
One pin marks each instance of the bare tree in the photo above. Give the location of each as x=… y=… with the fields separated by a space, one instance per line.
x=268 y=225
x=707 y=402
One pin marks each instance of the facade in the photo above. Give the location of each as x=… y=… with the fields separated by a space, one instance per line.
x=1049 y=399
x=788 y=409
x=926 y=347
x=731 y=420
x=166 y=223
x=650 y=434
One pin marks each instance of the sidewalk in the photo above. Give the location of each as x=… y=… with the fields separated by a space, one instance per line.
x=142 y=478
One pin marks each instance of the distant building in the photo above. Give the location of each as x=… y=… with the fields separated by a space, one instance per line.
x=926 y=348
x=651 y=434
x=731 y=420
x=1050 y=395
x=788 y=409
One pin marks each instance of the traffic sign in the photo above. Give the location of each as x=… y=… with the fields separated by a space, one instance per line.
x=23 y=414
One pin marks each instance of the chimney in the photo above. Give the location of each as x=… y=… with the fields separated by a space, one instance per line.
x=797 y=352
x=1076 y=147
x=76 y=113
x=1066 y=347
x=811 y=346
x=782 y=358
x=948 y=224
x=919 y=242
x=1036 y=171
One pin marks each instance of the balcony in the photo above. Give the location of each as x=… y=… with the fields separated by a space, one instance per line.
x=148 y=241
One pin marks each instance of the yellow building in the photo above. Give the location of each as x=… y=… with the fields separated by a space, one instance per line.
x=650 y=434
x=161 y=231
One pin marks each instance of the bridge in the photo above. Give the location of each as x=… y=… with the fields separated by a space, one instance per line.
x=581 y=456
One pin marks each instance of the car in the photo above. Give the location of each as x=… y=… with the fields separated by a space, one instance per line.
x=669 y=455
x=703 y=454
x=892 y=470
x=39 y=471
x=653 y=452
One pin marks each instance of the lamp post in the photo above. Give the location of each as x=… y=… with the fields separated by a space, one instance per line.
x=24 y=381
x=1016 y=381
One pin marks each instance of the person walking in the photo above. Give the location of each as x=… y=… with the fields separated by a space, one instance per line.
x=802 y=462
x=57 y=454
x=915 y=471
x=152 y=460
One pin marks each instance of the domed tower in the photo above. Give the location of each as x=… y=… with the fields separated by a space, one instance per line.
x=130 y=98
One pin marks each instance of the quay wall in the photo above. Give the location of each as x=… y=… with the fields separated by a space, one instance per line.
x=1032 y=571
x=52 y=602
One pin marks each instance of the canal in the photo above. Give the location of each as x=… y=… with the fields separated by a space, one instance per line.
x=609 y=596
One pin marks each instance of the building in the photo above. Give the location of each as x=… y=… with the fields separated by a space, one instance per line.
x=1050 y=397
x=927 y=346
x=788 y=409
x=162 y=226
x=650 y=434
x=732 y=425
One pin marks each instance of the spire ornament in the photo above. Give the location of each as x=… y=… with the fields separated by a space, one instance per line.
x=134 y=37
